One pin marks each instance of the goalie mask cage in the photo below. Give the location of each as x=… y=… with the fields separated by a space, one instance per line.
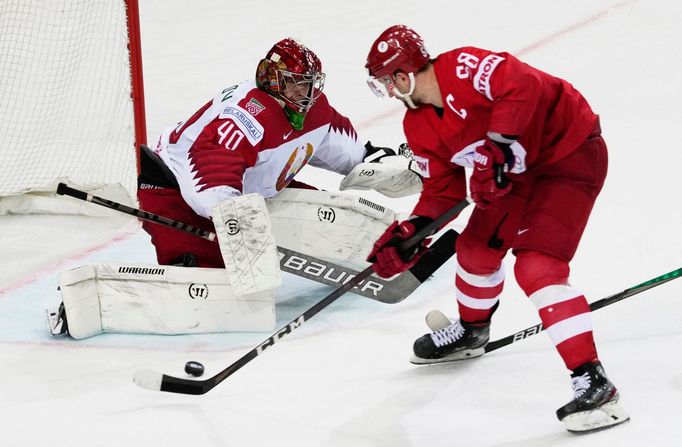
x=71 y=97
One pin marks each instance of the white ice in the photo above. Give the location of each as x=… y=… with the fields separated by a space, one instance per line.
x=343 y=378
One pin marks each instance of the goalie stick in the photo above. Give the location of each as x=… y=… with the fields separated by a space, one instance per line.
x=156 y=381
x=300 y=264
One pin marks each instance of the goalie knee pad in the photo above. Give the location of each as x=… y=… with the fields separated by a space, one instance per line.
x=247 y=244
x=153 y=299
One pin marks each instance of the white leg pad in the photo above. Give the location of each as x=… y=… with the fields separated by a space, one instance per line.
x=152 y=299
x=334 y=227
x=247 y=244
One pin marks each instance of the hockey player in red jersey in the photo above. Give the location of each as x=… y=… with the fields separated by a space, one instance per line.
x=253 y=137
x=539 y=162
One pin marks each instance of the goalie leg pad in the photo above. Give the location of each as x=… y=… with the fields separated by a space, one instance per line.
x=247 y=244
x=334 y=227
x=152 y=299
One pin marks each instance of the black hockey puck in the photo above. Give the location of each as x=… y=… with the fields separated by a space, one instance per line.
x=193 y=368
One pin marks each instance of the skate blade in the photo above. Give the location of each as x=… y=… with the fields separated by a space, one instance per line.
x=608 y=415
x=465 y=354
x=54 y=323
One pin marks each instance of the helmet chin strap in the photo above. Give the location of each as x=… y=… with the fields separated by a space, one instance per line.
x=406 y=96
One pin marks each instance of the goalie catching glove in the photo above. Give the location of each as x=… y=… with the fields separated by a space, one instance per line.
x=387 y=260
x=392 y=173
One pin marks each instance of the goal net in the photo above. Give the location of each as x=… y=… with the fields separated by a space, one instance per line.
x=71 y=102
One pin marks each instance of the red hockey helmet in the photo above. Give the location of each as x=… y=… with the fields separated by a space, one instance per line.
x=397 y=48
x=291 y=73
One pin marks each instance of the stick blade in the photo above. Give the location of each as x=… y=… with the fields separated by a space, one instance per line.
x=146 y=378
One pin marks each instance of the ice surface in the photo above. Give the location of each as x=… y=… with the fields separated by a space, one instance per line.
x=343 y=378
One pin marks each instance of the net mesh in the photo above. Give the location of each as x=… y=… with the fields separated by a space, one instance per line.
x=66 y=112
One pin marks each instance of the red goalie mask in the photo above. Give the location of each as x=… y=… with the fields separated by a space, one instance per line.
x=292 y=73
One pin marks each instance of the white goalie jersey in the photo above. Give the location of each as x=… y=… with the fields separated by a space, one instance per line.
x=241 y=142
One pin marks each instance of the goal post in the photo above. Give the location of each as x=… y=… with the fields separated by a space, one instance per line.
x=71 y=100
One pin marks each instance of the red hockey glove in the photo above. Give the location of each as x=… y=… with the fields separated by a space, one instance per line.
x=386 y=259
x=489 y=181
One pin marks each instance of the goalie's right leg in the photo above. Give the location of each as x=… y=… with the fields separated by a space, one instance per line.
x=156 y=299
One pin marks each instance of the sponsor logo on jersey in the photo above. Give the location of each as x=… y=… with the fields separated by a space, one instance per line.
x=367 y=173
x=326 y=214
x=254 y=107
x=198 y=291
x=299 y=157
x=142 y=270
x=252 y=128
x=484 y=72
x=422 y=163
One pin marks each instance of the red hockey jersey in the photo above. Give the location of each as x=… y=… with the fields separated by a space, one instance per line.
x=241 y=142
x=486 y=91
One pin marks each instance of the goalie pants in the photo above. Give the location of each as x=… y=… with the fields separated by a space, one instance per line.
x=171 y=244
x=541 y=220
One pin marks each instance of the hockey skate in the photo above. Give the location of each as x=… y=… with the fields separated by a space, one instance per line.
x=457 y=341
x=56 y=320
x=595 y=404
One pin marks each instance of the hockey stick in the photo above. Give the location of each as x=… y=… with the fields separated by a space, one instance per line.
x=497 y=344
x=156 y=381
x=306 y=266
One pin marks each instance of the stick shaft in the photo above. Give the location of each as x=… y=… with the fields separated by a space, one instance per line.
x=65 y=190
x=187 y=386
x=532 y=330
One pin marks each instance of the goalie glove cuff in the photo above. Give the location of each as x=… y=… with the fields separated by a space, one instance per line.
x=375 y=154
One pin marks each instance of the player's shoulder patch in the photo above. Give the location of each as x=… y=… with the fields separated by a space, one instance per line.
x=422 y=164
x=485 y=70
x=254 y=107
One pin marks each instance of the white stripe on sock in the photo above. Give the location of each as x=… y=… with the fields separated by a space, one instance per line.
x=553 y=294
x=492 y=280
x=570 y=327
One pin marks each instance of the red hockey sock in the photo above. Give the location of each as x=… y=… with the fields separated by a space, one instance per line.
x=478 y=295
x=564 y=311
